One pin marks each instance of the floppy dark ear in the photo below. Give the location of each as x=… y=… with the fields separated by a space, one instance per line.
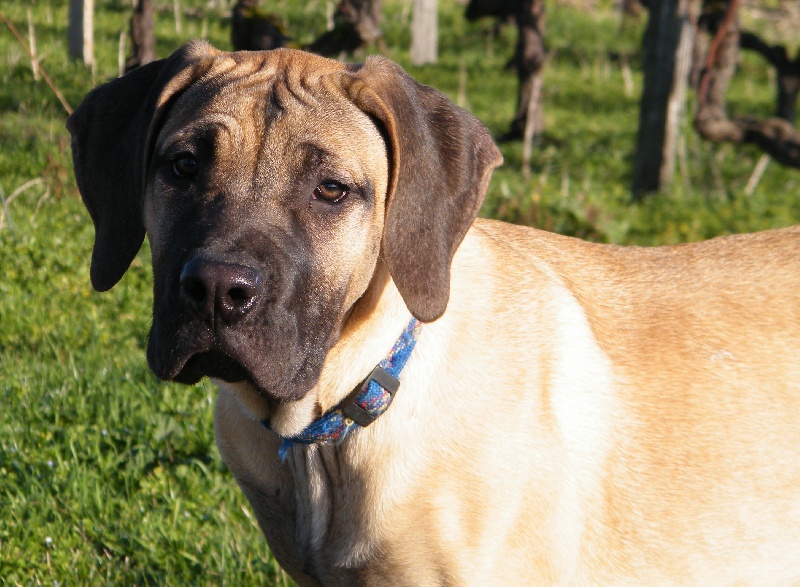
x=109 y=152
x=442 y=158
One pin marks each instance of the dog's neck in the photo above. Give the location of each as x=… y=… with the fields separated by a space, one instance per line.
x=365 y=404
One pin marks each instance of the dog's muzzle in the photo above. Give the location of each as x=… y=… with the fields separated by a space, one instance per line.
x=213 y=297
x=226 y=317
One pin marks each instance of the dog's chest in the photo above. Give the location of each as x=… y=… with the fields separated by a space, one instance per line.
x=314 y=483
x=333 y=535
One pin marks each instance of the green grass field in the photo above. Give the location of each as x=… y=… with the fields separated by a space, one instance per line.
x=109 y=477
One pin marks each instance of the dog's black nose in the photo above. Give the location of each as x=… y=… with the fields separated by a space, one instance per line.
x=220 y=290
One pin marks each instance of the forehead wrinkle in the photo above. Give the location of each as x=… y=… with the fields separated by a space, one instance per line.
x=225 y=123
x=240 y=69
x=209 y=127
x=277 y=82
x=246 y=83
x=301 y=89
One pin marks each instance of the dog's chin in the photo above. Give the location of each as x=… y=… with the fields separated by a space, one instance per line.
x=222 y=367
x=286 y=415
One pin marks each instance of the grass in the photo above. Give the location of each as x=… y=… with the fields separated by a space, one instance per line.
x=108 y=476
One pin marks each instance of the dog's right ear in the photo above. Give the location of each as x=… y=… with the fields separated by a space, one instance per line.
x=110 y=152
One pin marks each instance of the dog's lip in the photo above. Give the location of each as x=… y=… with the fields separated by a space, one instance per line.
x=221 y=360
x=213 y=363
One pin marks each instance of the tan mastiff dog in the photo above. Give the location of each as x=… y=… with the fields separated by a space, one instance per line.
x=568 y=413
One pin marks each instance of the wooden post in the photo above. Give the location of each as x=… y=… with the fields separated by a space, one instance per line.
x=534 y=103
x=329 y=11
x=529 y=59
x=121 y=55
x=143 y=42
x=177 y=10
x=668 y=43
x=677 y=99
x=32 y=45
x=424 y=32
x=356 y=23
x=80 y=34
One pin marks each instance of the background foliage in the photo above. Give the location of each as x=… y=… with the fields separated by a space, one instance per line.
x=108 y=476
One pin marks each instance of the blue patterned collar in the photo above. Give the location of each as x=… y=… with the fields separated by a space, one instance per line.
x=365 y=403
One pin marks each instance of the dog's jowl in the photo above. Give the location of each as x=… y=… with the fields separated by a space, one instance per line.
x=411 y=396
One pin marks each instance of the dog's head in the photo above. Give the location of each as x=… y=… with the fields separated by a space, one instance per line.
x=271 y=185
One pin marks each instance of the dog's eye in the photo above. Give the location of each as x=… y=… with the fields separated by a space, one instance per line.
x=184 y=166
x=330 y=191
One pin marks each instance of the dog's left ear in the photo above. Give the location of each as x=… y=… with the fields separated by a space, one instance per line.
x=441 y=160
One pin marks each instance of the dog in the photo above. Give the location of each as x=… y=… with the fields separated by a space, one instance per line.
x=409 y=395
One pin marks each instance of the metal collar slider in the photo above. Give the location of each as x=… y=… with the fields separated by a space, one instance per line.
x=351 y=409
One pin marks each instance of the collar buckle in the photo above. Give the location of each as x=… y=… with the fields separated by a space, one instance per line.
x=351 y=409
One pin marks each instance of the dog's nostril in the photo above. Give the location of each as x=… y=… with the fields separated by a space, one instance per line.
x=194 y=289
x=241 y=295
x=238 y=294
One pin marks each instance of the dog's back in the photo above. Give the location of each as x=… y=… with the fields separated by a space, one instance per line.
x=702 y=461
